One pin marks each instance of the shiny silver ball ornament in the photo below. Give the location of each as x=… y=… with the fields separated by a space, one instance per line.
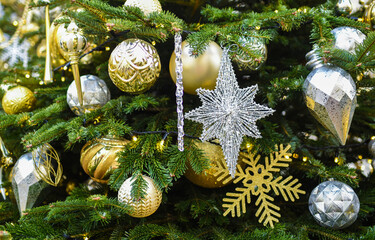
x=334 y=204
x=330 y=95
x=348 y=7
x=95 y=95
x=347 y=38
x=247 y=62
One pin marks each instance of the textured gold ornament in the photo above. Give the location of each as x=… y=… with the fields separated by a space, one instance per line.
x=18 y=99
x=147 y=6
x=217 y=175
x=258 y=180
x=198 y=72
x=47 y=164
x=99 y=157
x=141 y=207
x=134 y=66
x=29 y=28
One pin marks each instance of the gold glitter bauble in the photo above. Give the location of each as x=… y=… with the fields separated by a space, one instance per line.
x=18 y=99
x=141 y=207
x=147 y=6
x=99 y=157
x=198 y=72
x=207 y=178
x=134 y=66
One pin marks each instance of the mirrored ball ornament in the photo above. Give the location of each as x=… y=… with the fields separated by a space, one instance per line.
x=247 y=62
x=95 y=95
x=348 y=6
x=141 y=207
x=334 y=204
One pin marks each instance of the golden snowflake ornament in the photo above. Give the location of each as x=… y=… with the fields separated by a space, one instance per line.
x=258 y=180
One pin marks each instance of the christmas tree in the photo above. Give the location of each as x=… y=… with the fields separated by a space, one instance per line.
x=187 y=119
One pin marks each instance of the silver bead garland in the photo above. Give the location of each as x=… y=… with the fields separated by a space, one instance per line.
x=179 y=92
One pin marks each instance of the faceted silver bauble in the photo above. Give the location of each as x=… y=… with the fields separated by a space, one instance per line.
x=371 y=147
x=29 y=189
x=347 y=38
x=334 y=204
x=349 y=6
x=95 y=95
x=246 y=62
x=330 y=95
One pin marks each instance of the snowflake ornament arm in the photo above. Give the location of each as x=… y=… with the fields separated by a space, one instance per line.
x=228 y=113
x=258 y=180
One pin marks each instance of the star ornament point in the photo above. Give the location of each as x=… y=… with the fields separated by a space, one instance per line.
x=228 y=113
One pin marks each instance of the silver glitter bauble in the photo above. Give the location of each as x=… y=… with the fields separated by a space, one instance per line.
x=29 y=189
x=334 y=204
x=141 y=207
x=95 y=95
x=330 y=95
x=247 y=62
x=347 y=38
x=371 y=147
x=349 y=6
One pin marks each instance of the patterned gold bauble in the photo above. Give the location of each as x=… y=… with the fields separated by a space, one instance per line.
x=134 y=66
x=198 y=72
x=217 y=175
x=147 y=6
x=141 y=207
x=18 y=99
x=99 y=157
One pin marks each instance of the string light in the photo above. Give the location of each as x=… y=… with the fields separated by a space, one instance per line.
x=27 y=75
x=336 y=160
x=257 y=28
x=15 y=23
x=295 y=155
x=287 y=157
x=134 y=138
x=304 y=159
x=62 y=79
x=65 y=68
x=360 y=157
x=107 y=48
x=373 y=138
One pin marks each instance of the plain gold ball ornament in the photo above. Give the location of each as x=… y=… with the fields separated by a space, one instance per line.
x=99 y=157
x=18 y=99
x=198 y=72
x=141 y=207
x=147 y=6
x=208 y=178
x=134 y=66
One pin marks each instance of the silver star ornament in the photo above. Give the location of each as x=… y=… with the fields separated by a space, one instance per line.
x=228 y=113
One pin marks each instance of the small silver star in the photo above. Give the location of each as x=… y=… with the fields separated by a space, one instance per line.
x=228 y=113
